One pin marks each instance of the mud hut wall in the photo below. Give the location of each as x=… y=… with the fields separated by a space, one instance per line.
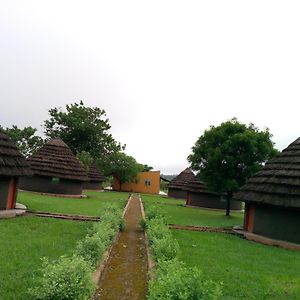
x=277 y=223
x=92 y=185
x=177 y=193
x=8 y=192
x=44 y=184
x=212 y=201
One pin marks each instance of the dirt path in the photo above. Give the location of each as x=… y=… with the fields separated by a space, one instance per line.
x=125 y=276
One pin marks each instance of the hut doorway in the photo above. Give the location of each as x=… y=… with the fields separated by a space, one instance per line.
x=12 y=194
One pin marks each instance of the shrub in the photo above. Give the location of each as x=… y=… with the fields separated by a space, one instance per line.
x=174 y=281
x=153 y=212
x=143 y=224
x=166 y=248
x=68 y=278
x=156 y=228
x=90 y=248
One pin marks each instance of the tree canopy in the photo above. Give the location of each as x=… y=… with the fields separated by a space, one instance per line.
x=226 y=155
x=82 y=128
x=123 y=167
x=26 y=139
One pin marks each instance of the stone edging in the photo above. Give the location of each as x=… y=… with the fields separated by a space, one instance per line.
x=151 y=263
x=105 y=257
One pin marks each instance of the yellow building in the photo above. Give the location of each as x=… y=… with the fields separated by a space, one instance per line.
x=147 y=183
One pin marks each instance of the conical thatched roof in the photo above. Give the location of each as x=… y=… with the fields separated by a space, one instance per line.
x=12 y=162
x=197 y=186
x=94 y=173
x=182 y=179
x=56 y=159
x=278 y=182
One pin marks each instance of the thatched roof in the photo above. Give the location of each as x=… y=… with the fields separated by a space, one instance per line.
x=56 y=159
x=12 y=162
x=94 y=173
x=278 y=182
x=197 y=186
x=182 y=179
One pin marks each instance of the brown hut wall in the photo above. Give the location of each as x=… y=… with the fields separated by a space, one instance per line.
x=211 y=201
x=176 y=193
x=4 y=189
x=277 y=223
x=92 y=185
x=43 y=184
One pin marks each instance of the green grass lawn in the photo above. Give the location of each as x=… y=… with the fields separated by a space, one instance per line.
x=24 y=241
x=247 y=269
x=91 y=206
x=177 y=213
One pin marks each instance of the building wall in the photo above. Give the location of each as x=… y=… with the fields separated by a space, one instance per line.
x=276 y=222
x=44 y=184
x=8 y=192
x=147 y=183
x=177 y=193
x=93 y=185
x=211 y=201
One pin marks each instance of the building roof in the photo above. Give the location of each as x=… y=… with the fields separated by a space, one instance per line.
x=12 y=162
x=197 y=186
x=94 y=173
x=278 y=182
x=182 y=179
x=55 y=159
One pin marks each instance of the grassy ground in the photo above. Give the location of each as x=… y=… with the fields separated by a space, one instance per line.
x=247 y=269
x=177 y=213
x=24 y=241
x=86 y=206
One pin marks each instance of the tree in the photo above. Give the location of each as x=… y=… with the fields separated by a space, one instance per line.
x=82 y=128
x=123 y=167
x=226 y=155
x=26 y=139
x=85 y=158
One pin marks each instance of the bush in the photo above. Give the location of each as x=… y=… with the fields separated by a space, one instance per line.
x=68 y=278
x=143 y=224
x=174 y=281
x=153 y=212
x=165 y=249
x=90 y=248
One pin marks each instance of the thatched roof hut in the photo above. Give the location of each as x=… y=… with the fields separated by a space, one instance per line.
x=272 y=197
x=175 y=187
x=198 y=194
x=12 y=166
x=56 y=170
x=96 y=178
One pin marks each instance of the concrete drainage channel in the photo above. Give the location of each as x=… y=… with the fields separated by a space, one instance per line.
x=124 y=274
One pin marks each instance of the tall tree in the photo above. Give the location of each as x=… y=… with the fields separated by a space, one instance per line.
x=226 y=155
x=83 y=129
x=26 y=139
x=123 y=167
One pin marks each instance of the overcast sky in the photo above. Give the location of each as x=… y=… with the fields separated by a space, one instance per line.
x=162 y=70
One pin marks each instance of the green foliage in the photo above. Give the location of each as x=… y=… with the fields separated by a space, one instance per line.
x=82 y=128
x=175 y=281
x=124 y=167
x=100 y=236
x=226 y=155
x=91 y=248
x=85 y=158
x=68 y=278
x=143 y=224
x=26 y=139
x=164 y=246
x=153 y=211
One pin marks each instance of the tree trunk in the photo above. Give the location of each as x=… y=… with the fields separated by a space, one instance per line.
x=120 y=187
x=228 y=198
